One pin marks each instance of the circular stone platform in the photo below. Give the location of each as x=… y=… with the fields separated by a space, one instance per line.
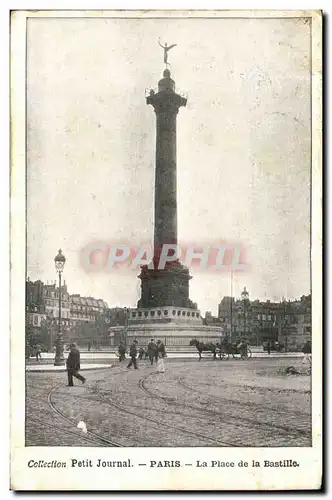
x=175 y=336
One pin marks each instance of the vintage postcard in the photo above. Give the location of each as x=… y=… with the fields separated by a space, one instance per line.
x=166 y=289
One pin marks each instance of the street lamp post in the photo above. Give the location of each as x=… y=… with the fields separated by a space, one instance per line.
x=59 y=261
x=126 y=311
x=245 y=304
x=286 y=329
x=284 y=324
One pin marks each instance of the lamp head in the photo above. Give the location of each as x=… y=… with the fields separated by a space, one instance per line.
x=59 y=261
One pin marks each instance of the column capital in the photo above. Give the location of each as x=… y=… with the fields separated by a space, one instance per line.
x=166 y=102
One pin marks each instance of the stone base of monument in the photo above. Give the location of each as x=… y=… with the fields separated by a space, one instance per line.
x=175 y=337
x=174 y=326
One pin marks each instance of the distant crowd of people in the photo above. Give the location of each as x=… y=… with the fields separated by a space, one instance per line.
x=155 y=352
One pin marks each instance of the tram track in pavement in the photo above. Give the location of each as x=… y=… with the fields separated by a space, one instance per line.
x=260 y=388
x=139 y=407
x=93 y=437
x=113 y=403
x=248 y=404
x=204 y=411
x=90 y=436
x=244 y=420
x=151 y=394
x=121 y=408
x=102 y=441
x=63 y=430
x=84 y=397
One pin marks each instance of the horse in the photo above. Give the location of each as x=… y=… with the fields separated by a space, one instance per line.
x=200 y=346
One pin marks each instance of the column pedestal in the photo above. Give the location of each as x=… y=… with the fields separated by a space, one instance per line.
x=165 y=287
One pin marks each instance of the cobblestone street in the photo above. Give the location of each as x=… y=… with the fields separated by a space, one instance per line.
x=207 y=403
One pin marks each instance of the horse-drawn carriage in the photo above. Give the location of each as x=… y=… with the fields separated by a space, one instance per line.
x=236 y=349
x=223 y=349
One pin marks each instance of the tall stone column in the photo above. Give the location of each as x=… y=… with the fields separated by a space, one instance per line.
x=166 y=105
x=169 y=286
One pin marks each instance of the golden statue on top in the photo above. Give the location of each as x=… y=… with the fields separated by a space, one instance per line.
x=166 y=49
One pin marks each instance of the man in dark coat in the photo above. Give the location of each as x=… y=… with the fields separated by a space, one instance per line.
x=161 y=349
x=133 y=354
x=122 y=352
x=73 y=365
x=269 y=347
x=307 y=352
x=38 y=352
x=141 y=353
x=152 y=351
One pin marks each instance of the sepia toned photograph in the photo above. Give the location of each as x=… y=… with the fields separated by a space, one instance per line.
x=169 y=297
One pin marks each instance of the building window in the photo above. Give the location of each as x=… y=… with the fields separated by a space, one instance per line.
x=193 y=315
x=146 y=314
x=174 y=312
x=152 y=313
x=183 y=313
x=188 y=313
x=179 y=313
x=166 y=312
x=140 y=314
x=133 y=315
x=197 y=315
x=159 y=313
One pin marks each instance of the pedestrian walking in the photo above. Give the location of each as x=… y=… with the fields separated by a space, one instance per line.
x=141 y=353
x=133 y=354
x=73 y=365
x=269 y=347
x=161 y=349
x=161 y=365
x=152 y=351
x=28 y=351
x=38 y=352
x=89 y=346
x=122 y=352
x=306 y=352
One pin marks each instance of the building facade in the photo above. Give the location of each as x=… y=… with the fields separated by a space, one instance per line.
x=35 y=306
x=51 y=302
x=286 y=322
x=42 y=309
x=86 y=309
x=295 y=330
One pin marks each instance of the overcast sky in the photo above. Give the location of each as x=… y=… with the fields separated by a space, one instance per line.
x=243 y=145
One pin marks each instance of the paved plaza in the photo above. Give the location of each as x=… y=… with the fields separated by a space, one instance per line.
x=206 y=403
